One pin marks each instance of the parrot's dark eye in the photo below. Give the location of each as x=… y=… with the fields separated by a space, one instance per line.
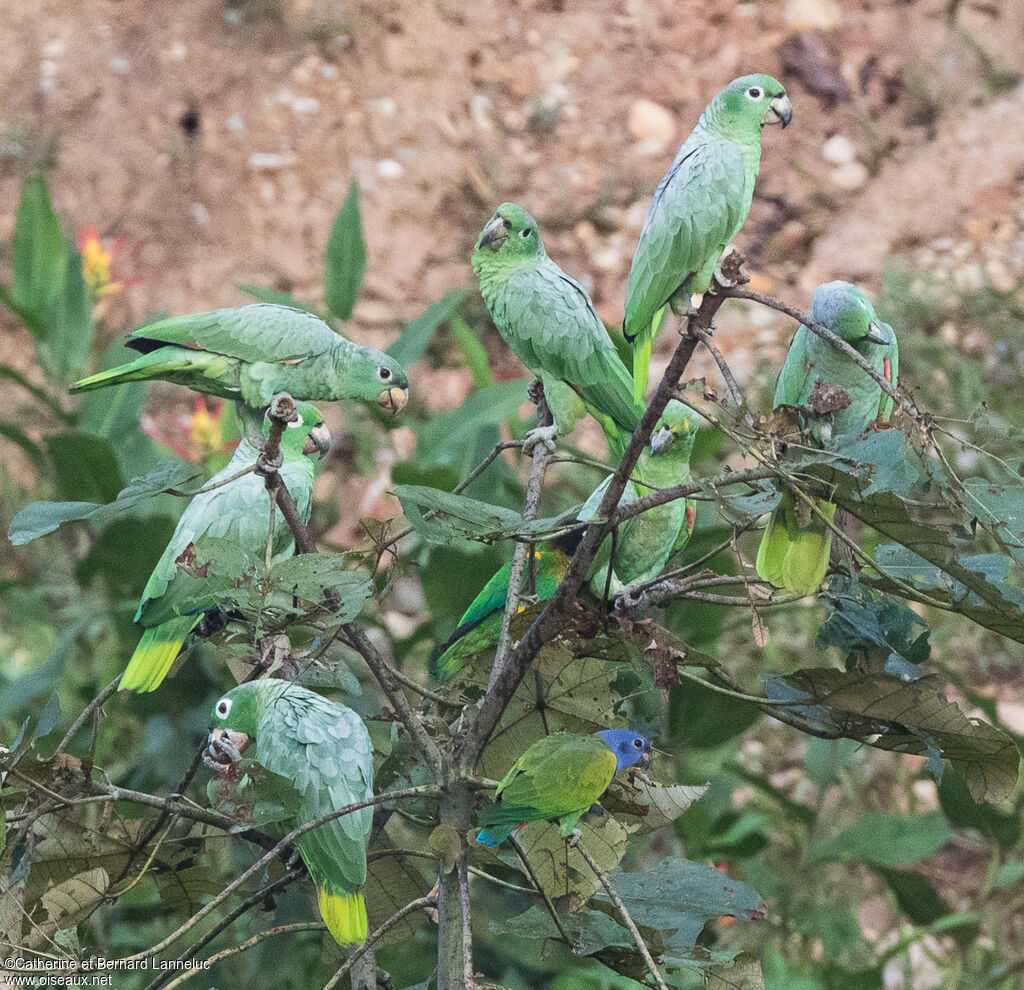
x=525 y=232
x=223 y=708
x=755 y=93
x=383 y=374
x=638 y=743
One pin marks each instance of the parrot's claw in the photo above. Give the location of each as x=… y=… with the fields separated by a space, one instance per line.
x=722 y=279
x=540 y=435
x=268 y=465
x=574 y=838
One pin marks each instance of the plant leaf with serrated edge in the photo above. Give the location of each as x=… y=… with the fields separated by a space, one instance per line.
x=901 y=716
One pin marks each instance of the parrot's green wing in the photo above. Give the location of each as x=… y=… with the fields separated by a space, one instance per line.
x=698 y=207
x=557 y=776
x=257 y=332
x=325 y=751
x=557 y=331
x=796 y=379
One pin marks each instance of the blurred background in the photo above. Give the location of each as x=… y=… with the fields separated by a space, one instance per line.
x=195 y=147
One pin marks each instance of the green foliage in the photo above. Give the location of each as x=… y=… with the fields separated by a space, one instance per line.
x=345 y=261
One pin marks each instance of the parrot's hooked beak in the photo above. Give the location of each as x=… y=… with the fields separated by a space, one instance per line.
x=224 y=747
x=645 y=759
x=393 y=400
x=318 y=442
x=494 y=234
x=662 y=440
x=875 y=334
x=780 y=111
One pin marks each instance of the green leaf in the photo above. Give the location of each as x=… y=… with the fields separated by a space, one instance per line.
x=963 y=811
x=882 y=838
x=915 y=895
x=590 y=931
x=345 y=261
x=474 y=354
x=414 y=339
x=454 y=516
x=677 y=898
x=17 y=437
x=39 y=518
x=38 y=250
x=65 y=350
x=902 y=716
x=310 y=576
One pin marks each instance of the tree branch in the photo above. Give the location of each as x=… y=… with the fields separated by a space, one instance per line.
x=550 y=620
x=521 y=853
x=624 y=914
x=93 y=706
x=735 y=395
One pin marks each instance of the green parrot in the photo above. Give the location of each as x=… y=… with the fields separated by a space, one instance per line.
x=323 y=749
x=698 y=208
x=644 y=543
x=480 y=625
x=548 y=320
x=250 y=353
x=557 y=779
x=238 y=511
x=795 y=547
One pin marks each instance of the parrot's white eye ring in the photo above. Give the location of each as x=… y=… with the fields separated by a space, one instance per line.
x=755 y=93
x=638 y=743
x=296 y=424
x=383 y=374
x=525 y=232
x=223 y=708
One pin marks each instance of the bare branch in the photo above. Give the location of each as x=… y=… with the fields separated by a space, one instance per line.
x=735 y=395
x=93 y=706
x=624 y=914
x=535 y=880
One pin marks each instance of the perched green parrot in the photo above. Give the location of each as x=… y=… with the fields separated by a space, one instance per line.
x=557 y=779
x=548 y=320
x=323 y=749
x=698 y=208
x=250 y=353
x=795 y=547
x=480 y=625
x=644 y=543
x=237 y=511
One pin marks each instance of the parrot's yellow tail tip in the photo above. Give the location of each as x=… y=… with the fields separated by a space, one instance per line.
x=344 y=915
x=641 y=366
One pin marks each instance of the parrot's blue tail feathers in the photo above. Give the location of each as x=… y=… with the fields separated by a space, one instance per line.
x=344 y=915
x=157 y=650
x=494 y=836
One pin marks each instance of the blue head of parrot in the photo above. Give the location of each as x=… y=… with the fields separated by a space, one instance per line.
x=629 y=748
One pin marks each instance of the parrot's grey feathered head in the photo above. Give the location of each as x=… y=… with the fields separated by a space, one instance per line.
x=846 y=311
x=675 y=431
x=629 y=748
x=749 y=103
x=511 y=234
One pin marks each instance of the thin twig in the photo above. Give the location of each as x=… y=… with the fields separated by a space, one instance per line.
x=93 y=706
x=541 y=455
x=727 y=376
x=416 y=905
x=234 y=950
x=467 y=930
x=535 y=880
x=624 y=914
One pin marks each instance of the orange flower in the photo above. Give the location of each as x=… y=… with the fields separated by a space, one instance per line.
x=197 y=438
x=98 y=262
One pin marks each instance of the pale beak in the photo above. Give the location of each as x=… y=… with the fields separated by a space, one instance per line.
x=494 y=234
x=662 y=440
x=876 y=335
x=393 y=399
x=780 y=111
x=224 y=747
x=318 y=442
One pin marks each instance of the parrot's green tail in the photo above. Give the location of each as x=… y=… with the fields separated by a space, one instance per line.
x=157 y=650
x=184 y=365
x=344 y=915
x=792 y=556
x=468 y=640
x=641 y=365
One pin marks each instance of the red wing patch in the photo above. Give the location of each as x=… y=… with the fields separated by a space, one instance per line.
x=888 y=370
x=689 y=519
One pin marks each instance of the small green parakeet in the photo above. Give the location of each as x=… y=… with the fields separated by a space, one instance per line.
x=644 y=543
x=480 y=625
x=548 y=320
x=239 y=511
x=324 y=751
x=557 y=779
x=795 y=547
x=250 y=353
x=698 y=208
